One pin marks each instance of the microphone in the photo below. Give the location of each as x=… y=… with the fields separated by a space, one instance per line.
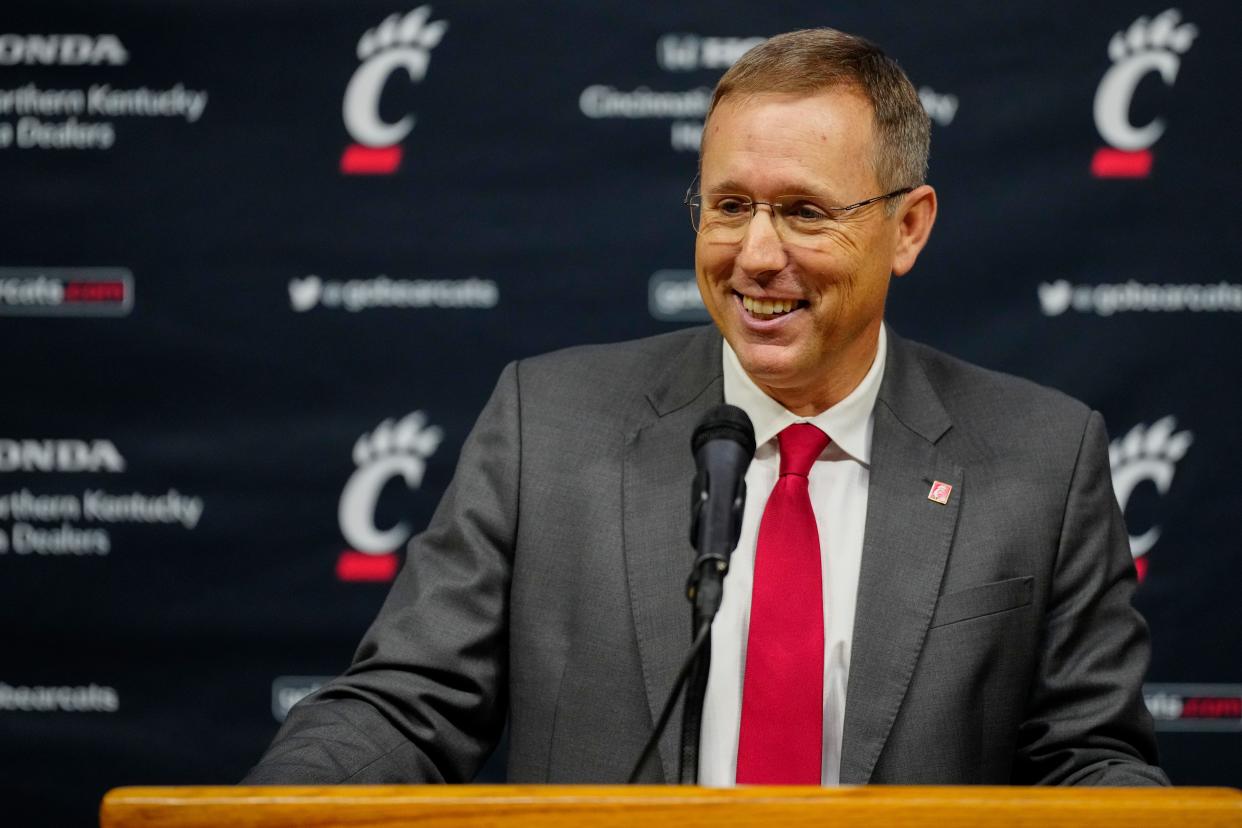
x=723 y=445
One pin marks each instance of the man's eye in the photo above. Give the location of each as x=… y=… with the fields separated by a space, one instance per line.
x=733 y=207
x=805 y=211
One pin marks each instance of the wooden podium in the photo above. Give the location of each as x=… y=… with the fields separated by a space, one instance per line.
x=519 y=806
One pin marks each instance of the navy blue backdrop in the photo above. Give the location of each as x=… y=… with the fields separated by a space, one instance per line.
x=262 y=262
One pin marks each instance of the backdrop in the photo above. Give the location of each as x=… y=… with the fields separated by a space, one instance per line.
x=263 y=261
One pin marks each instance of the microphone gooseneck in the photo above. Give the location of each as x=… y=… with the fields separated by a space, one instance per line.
x=723 y=445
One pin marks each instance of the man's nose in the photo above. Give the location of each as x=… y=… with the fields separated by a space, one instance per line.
x=761 y=246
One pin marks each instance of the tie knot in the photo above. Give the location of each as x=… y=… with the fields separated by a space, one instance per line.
x=800 y=444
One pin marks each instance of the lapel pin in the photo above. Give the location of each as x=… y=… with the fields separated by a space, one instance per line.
x=940 y=492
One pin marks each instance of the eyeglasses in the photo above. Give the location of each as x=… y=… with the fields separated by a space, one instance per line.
x=799 y=219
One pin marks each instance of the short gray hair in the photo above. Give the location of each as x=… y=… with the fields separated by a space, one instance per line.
x=814 y=60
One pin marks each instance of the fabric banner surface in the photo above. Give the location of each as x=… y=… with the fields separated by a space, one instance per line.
x=263 y=262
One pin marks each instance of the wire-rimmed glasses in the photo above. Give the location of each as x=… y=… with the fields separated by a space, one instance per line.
x=799 y=219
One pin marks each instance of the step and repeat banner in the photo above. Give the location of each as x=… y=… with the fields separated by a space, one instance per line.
x=262 y=263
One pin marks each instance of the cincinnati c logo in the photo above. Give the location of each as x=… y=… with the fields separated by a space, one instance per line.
x=392 y=450
x=1148 y=46
x=1146 y=454
x=399 y=43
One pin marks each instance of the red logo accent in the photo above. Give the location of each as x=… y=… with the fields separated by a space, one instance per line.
x=1212 y=707
x=360 y=160
x=1140 y=564
x=95 y=292
x=1115 y=163
x=360 y=566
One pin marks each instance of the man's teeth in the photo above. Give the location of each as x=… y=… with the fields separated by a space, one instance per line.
x=768 y=307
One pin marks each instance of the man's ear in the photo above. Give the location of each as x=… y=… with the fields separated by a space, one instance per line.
x=915 y=218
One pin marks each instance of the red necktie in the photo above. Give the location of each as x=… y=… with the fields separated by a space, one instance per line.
x=782 y=730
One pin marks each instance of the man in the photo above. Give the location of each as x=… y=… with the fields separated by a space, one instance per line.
x=932 y=568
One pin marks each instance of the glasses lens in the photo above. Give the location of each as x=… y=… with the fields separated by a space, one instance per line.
x=725 y=219
x=722 y=217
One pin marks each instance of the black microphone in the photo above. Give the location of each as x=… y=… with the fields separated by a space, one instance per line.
x=723 y=445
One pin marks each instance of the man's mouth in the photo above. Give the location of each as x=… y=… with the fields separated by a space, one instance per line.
x=770 y=308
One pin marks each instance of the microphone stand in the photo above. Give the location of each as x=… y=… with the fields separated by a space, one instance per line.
x=723 y=445
x=705 y=588
x=714 y=536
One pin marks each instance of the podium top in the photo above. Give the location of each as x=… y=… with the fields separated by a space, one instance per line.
x=528 y=806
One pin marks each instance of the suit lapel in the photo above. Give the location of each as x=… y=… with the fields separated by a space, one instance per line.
x=656 y=481
x=905 y=549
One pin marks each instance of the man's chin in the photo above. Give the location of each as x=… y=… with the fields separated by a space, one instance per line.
x=768 y=365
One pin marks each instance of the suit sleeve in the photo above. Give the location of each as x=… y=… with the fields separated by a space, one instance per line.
x=1087 y=723
x=424 y=700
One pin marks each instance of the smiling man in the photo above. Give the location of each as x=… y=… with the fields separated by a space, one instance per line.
x=799 y=294
x=932 y=583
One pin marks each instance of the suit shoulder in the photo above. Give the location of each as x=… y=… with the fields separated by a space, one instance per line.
x=610 y=364
x=1010 y=408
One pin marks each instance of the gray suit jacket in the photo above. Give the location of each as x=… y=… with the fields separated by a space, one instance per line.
x=994 y=640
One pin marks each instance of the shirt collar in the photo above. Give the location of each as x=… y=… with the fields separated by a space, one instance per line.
x=848 y=422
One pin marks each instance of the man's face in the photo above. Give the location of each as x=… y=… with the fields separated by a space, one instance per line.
x=771 y=145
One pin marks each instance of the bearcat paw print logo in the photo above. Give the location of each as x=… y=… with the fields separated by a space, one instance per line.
x=411 y=436
x=393 y=449
x=1166 y=32
x=409 y=32
x=1146 y=454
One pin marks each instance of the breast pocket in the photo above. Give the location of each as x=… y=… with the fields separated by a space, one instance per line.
x=985 y=599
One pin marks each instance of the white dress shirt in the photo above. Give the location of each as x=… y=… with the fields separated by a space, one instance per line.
x=838 y=490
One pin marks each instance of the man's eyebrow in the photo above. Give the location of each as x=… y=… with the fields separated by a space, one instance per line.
x=732 y=187
x=727 y=186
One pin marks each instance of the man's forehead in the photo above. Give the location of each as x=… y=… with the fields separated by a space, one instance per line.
x=788 y=143
x=844 y=100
